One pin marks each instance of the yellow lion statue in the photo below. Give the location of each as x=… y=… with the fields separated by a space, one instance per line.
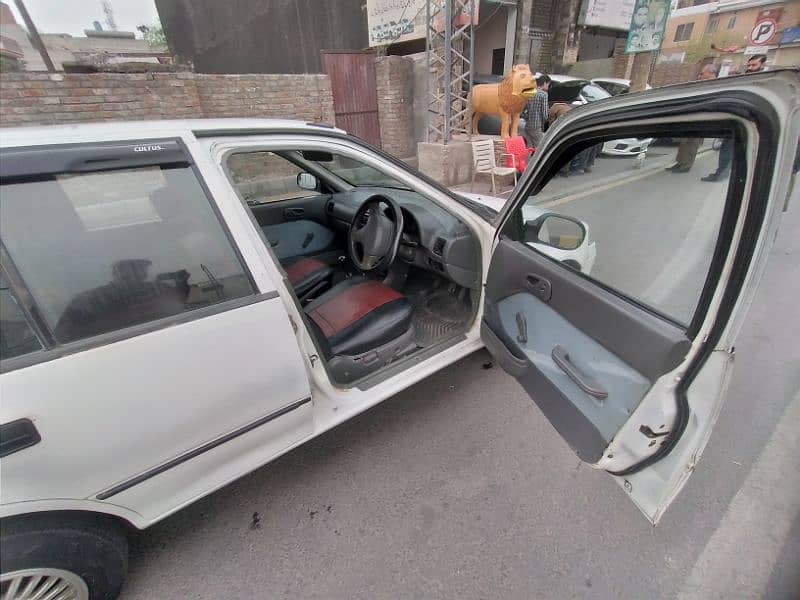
x=506 y=99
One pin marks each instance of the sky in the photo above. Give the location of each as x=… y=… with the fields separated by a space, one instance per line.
x=73 y=16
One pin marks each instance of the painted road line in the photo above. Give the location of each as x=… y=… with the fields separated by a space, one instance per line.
x=739 y=557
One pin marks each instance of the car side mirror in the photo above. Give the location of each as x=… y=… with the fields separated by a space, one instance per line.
x=306 y=181
x=556 y=231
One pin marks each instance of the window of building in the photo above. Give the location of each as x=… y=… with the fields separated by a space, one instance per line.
x=683 y=32
x=101 y=252
x=732 y=22
x=712 y=25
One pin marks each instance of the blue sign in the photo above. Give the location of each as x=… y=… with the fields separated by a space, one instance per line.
x=791 y=35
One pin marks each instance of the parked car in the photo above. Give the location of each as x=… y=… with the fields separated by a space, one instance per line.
x=578 y=92
x=615 y=86
x=185 y=301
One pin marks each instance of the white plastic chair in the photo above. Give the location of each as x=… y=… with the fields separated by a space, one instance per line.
x=483 y=162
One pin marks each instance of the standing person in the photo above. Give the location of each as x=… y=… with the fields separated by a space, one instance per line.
x=754 y=64
x=687 y=149
x=537 y=113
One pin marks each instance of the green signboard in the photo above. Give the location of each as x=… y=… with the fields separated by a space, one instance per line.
x=647 y=25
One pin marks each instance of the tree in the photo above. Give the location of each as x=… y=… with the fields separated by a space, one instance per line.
x=701 y=49
x=154 y=36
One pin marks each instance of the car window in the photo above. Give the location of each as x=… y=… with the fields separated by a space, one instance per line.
x=16 y=335
x=353 y=171
x=103 y=251
x=263 y=177
x=620 y=217
x=592 y=92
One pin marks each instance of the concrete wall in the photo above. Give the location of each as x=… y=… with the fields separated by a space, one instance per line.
x=489 y=35
x=40 y=98
x=262 y=36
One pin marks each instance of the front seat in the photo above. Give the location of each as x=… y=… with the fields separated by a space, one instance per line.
x=360 y=325
x=308 y=276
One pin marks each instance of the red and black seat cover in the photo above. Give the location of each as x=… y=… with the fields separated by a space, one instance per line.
x=307 y=274
x=357 y=315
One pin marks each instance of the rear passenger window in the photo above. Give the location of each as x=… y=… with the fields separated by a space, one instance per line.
x=104 y=251
x=16 y=335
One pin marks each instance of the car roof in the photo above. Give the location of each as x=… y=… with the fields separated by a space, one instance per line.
x=120 y=130
x=613 y=80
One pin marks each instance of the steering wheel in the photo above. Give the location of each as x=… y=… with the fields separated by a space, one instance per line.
x=374 y=234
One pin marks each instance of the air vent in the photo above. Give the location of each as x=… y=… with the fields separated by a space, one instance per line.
x=438 y=247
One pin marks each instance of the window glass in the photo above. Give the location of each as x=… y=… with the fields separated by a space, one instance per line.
x=353 y=171
x=104 y=251
x=16 y=335
x=712 y=25
x=732 y=22
x=592 y=92
x=646 y=227
x=263 y=177
x=683 y=32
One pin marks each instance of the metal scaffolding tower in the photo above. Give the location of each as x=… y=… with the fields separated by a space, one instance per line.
x=449 y=53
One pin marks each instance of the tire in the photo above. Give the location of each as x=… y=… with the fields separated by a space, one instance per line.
x=89 y=552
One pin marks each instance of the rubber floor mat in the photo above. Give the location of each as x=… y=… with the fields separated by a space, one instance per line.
x=438 y=315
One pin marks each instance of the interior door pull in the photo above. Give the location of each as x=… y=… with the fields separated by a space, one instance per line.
x=586 y=382
x=540 y=287
x=522 y=328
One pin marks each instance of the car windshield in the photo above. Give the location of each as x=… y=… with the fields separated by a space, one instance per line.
x=591 y=92
x=352 y=171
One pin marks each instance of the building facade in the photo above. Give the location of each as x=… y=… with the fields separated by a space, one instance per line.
x=97 y=47
x=723 y=31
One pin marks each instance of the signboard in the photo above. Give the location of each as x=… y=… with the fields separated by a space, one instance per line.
x=392 y=21
x=610 y=14
x=791 y=35
x=647 y=25
x=763 y=31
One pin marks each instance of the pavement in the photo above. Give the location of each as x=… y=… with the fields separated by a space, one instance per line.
x=459 y=488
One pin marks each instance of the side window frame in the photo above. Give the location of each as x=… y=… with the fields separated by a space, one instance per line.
x=512 y=228
x=88 y=157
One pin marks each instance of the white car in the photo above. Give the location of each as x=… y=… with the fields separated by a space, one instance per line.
x=616 y=86
x=578 y=92
x=566 y=239
x=185 y=301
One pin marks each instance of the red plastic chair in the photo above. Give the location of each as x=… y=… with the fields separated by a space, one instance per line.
x=517 y=153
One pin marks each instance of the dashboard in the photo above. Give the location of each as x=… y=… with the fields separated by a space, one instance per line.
x=432 y=238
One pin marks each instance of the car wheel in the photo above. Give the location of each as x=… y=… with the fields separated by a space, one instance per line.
x=62 y=555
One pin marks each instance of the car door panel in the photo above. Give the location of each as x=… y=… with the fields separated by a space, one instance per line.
x=280 y=211
x=597 y=332
x=632 y=390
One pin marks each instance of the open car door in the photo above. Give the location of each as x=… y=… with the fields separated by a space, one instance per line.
x=630 y=361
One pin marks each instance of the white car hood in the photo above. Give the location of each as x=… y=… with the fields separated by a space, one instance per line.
x=497 y=204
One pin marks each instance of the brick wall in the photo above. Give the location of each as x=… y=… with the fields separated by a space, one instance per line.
x=43 y=98
x=31 y=98
x=394 y=80
x=668 y=74
x=305 y=97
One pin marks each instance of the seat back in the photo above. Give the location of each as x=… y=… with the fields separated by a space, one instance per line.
x=515 y=146
x=483 y=155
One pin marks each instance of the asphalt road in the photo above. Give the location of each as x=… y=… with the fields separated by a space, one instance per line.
x=459 y=488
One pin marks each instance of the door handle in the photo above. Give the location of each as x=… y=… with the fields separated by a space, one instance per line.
x=294 y=213
x=587 y=383
x=540 y=287
x=17 y=435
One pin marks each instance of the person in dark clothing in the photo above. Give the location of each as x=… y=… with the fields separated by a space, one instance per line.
x=755 y=64
x=536 y=110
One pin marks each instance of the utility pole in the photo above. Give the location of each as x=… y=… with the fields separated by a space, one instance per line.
x=640 y=72
x=34 y=33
